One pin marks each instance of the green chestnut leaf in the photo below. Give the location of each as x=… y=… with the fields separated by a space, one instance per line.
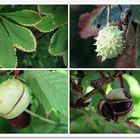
x=14 y=98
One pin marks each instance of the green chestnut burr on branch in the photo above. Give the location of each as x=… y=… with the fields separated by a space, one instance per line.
x=14 y=100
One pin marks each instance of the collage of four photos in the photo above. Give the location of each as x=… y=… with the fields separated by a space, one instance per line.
x=69 y=69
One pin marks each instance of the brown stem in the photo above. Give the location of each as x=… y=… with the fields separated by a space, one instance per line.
x=121 y=81
x=102 y=74
x=97 y=88
x=16 y=73
x=109 y=15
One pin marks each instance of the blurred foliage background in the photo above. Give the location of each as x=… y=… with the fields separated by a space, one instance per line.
x=88 y=120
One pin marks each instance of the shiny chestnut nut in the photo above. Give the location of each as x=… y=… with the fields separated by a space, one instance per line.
x=106 y=111
x=116 y=106
x=14 y=98
x=21 y=121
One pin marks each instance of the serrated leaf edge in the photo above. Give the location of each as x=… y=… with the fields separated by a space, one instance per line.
x=42 y=12
x=63 y=58
x=51 y=43
x=49 y=48
x=22 y=48
x=43 y=30
x=18 y=46
x=28 y=24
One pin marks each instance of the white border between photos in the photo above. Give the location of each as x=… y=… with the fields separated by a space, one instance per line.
x=69 y=2
x=79 y=2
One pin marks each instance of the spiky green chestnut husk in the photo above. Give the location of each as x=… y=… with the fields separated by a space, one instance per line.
x=110 y=42
x=14 y=98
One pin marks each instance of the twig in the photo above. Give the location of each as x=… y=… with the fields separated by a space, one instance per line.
x=109 y=14
x=102 y=74
x=40 y=117
x=121 y=81
x=16 y=73
x=100 y=83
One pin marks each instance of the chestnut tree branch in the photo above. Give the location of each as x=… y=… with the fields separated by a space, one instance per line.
x=97 y=84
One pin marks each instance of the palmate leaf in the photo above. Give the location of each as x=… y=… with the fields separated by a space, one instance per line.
x=59 y=41
x=24 y=17
x=46 y=9
x=53 y=19
x=47 y=24
x=53 y=86
x=22 y=37
x=7 y=50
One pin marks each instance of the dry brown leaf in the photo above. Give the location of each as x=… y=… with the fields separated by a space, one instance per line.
x=86 y=29
x=128 y=58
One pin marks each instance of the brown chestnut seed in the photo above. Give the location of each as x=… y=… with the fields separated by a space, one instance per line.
x=122 y=107
x=115 y=111
x=106 y=111
x=21 y=121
